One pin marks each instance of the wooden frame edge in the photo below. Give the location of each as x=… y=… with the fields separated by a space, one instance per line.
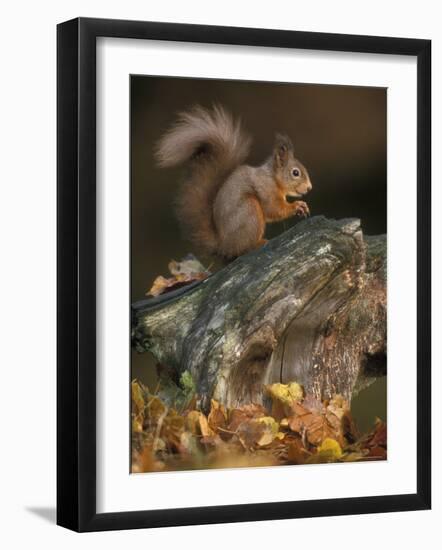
x=76 y=286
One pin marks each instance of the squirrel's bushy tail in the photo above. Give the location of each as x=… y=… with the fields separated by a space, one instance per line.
x=214 y=145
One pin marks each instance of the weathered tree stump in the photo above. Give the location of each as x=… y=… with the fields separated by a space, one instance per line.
x=309 y=306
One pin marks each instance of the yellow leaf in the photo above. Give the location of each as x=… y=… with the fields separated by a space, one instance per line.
x=205 y=429
x=217 y=417
x=270 y=422
x=137 y=425
x=286 y=393
x=137 y=396
x=330 y=448
x=156 y=409
x=192 y=422
x=159 y=445
x=196 y=423
x=138 y=407
x=270 y=432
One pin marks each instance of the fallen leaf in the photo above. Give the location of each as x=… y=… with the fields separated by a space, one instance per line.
x=170 y=433
x=296 y=452
x=196 y=422
x=189 y=265
x=138 y=406
x=378 y=452
x=283 y=396
x=145 y=461
x=379 y=436
x=192 y=422
x=183 y=273
x=285 y=393
x=330 y=448
x=171 y=429
x=313 y=404
x=205 y=429
x=217 y=416
x=137 y=396
x=239 y=415
x=155 y=410
x=271 y=430
x=314 y=427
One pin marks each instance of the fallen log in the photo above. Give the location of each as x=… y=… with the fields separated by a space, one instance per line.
x=309 y=306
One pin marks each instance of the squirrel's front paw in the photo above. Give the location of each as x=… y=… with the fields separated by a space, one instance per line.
x=301 y=209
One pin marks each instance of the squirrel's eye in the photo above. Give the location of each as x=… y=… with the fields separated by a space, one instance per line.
x=295 y=172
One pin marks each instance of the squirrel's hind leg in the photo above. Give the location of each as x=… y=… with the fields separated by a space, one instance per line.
x=241 y=229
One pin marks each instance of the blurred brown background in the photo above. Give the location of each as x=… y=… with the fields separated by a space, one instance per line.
x=339 y=133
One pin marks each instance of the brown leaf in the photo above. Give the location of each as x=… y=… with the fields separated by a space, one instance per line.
x=313 y=404
x=375 y=442
x=283 y=397
x=378 y=452
x=257 y=431
x=253 y=410
x=312 y=432
x=155 y=409
x=271 y=430
x=137 y=397
x=192 y=422
x=318 y=429
x=145 y=461
x=296 y=452
x=249 y=432
x=246 y=412
x=217 y=417
x=379 y=437
x=196 y=422
x=172 y=428
x=183 y=273
x=205 y=429
x=139 y=393
x=322 y=421
x=315 y=427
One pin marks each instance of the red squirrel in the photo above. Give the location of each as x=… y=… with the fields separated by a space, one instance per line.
x=224 y=204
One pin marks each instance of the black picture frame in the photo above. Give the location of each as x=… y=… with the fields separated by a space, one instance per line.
x=76 y=273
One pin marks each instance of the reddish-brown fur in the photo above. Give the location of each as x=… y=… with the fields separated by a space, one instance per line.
x=224 y=205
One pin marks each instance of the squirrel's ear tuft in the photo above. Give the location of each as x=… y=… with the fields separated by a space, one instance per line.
x=281 y=149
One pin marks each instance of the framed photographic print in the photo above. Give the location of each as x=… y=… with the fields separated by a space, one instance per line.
x=243 y=274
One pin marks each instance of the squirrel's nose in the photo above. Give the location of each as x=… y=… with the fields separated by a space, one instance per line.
x=309 y=187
